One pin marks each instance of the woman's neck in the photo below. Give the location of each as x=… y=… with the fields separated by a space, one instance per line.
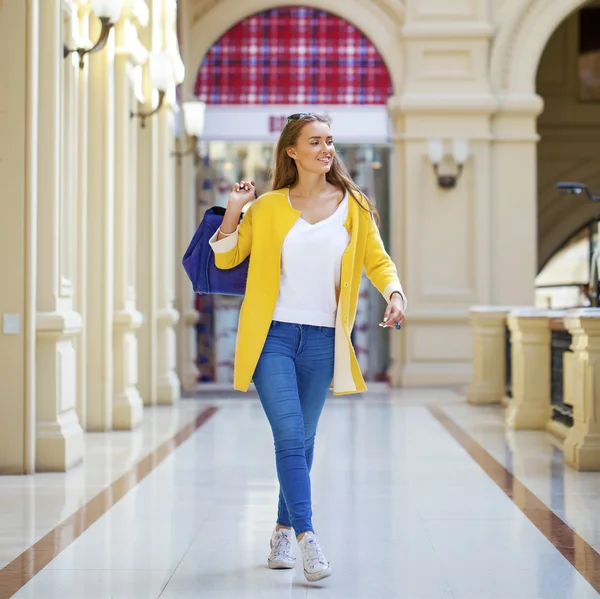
x=310 y=185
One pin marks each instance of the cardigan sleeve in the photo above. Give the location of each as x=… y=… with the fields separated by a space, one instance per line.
x=379 y=267
x=235 y=248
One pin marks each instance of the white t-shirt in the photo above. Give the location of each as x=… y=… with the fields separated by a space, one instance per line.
x=311 y=260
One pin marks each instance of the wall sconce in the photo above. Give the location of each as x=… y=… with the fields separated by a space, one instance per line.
x=162 y=74
x=108 y=11
x=193 y=121
x=437 y=152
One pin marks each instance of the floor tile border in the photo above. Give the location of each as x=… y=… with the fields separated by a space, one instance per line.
x=582 y=556
x=23 y=568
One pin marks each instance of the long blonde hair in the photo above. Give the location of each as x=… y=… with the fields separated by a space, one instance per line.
x=286 y=172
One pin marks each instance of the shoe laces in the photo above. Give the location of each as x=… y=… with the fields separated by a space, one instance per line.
x=312 y=554
x=281 y=544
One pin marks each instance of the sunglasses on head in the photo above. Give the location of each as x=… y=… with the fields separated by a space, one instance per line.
x=294 y=117
x=298 y=116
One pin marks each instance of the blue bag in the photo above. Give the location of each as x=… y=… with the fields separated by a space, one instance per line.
x=199 y=261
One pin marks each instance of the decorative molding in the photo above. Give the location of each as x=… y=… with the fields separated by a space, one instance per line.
x=392 y=8
x=59 y=324
x=521 y=17
x=521 y=40
x=203 y=7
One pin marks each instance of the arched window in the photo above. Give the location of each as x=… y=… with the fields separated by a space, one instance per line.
x=563 y=281
x=293 y=55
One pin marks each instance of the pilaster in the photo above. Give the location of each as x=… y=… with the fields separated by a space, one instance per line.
x=100 y=238
x=59 y=436
x=19 y=35
x=530 y=407
x=514 y=206
x=186 y=226
x=83 y=139
x=443 y=242
x=582 y=390
x=129 y=55
x=167 y=381
x=148 y=249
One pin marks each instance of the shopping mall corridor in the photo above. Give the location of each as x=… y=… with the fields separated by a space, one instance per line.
x=417 y=495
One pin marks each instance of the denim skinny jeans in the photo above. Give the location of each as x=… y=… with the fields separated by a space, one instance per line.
x=292 y=378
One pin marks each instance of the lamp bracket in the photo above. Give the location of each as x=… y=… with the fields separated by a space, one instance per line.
x=145 y=115
x=107 y=25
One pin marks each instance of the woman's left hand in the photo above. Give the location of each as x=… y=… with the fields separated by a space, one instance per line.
x=394 y=314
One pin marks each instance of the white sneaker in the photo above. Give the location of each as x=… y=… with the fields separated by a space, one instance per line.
x=281 y=556
x=316 y=566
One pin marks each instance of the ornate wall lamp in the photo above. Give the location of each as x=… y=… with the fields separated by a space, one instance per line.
x=193 y=120
x=162 y=77
x=460 y=153
x=108 y=11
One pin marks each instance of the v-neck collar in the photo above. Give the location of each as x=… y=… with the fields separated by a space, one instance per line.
x=325 y=220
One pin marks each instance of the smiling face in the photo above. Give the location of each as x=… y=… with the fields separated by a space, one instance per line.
x=314 y=149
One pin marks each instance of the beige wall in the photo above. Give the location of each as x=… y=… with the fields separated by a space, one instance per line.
x=13 y=241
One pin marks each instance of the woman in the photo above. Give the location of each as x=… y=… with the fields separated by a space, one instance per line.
x=308 y=241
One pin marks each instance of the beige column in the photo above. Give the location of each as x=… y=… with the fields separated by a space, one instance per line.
x=443 y=236
x=19 y=35
x=147 y=223
x=582 y=390
x=128 y=405
x=59 y=434
x=100 y=238
x=186 y=226
x=167 y=381
x=488 y=384
x=82 y=218
x=530 y=407
x=513 y=193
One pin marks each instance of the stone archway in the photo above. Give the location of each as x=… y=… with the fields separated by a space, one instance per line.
x=515 y=58
x=207 y=20
x=521 y=41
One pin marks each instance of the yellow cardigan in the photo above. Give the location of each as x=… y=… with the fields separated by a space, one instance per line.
x=260 y=235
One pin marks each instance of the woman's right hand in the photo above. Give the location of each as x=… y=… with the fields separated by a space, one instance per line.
x=242 y=193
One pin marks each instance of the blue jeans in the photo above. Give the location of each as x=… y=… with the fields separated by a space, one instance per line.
x=292 y=378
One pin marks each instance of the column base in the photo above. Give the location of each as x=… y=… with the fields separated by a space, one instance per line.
x=168 y=389
x=520 y=417
x=582 y=451
x=189 y=377
x=59 y=445
x=128 y=411
x=189 y=372
x=481 y=395
x=128 y=407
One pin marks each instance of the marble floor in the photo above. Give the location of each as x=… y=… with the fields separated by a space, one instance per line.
x=402 y=509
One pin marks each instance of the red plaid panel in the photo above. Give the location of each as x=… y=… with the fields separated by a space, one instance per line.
x=293 y=55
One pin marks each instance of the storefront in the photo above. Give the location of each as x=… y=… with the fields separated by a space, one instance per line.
x=256 y=75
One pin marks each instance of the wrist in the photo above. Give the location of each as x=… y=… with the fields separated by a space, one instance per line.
x=397 y=297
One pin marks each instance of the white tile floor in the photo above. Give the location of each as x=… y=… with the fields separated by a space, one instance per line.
x=402 y=510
